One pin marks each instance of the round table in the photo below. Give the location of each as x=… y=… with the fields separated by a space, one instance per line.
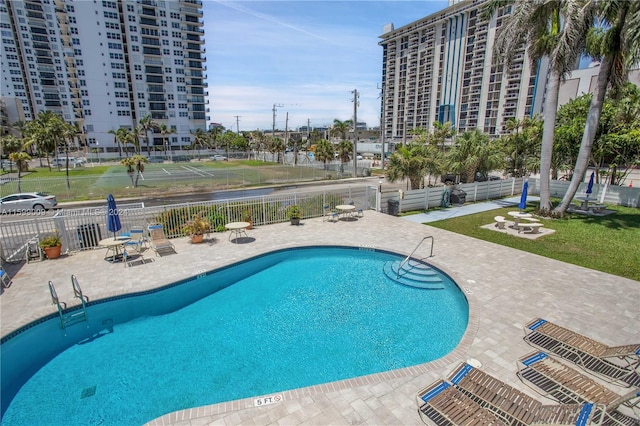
x=237 y=229
x=113 y=245
x=345 y=209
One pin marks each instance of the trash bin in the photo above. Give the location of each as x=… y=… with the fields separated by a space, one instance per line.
x=458 y=196
x=89 y=235
x=393 y=207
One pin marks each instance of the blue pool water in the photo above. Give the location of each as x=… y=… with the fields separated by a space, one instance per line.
x=302 y=317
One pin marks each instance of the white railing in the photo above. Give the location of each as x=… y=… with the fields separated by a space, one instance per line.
x=82 y=229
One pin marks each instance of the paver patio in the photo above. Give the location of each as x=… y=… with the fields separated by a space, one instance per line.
x=506 y=289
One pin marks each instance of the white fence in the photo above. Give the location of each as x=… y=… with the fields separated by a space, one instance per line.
x=428 y=198
x=82 y=229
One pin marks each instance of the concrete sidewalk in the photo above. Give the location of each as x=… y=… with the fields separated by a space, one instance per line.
x=456 y=211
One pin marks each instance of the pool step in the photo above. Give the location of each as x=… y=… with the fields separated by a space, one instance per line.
x=414 y=274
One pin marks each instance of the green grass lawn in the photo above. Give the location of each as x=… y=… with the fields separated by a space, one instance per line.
x=604 y=243
x=86 y=183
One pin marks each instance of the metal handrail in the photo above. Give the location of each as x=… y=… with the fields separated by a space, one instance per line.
x=414 y=250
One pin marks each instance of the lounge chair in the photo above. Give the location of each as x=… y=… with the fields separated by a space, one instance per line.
x=515 y=407
x=619 y=364
x=159 y=242
x=5 y=279
x=443 y=404
x=553 y=379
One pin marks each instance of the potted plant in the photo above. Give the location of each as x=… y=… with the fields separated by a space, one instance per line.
x=294 y=214
x=248 y=217
x=196 y=227
x=52 y=245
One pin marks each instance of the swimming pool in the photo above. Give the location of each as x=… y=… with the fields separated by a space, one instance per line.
x=292 y=318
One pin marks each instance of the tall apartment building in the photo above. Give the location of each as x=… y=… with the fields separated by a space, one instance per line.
x=439 y=68
x=106 y=64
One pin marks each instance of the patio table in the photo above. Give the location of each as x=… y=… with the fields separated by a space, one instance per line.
x=346 y=209
x=237 y=229
x=113 y=245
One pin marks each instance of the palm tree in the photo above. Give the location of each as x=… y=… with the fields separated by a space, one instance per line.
x=200 y=139
x=549 y=28
x=276 y=146
x=441 y=132
x=341 y=128
x=344 y=150
x=22 y=163
x=407 y=163
x=145 y=124
x=466 y=156
x=46 y=133
x=324 y=152
x=117 y=139
x=11 y=144
x=131 y=137
x=164 y=131
x=616 y=43
x=69 y=133
x=135 y=167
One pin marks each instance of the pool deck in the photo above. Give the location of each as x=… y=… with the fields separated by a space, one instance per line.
x=506 y=289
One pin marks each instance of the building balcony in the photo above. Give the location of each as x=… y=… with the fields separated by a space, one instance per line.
x=192 y=11
x=151 y=51
x=158 y=115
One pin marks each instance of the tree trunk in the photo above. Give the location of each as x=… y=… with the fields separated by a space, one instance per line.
x=595 y=109
x=546 y=152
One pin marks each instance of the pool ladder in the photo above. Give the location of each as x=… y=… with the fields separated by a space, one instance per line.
x=75 y=316
x=414 y=250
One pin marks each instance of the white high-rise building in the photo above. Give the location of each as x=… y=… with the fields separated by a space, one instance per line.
x=107 y=64
x=440 y=68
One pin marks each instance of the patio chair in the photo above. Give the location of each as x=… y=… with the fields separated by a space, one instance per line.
x=441 y=403
x=515 y=407
x=329 y=214
x=135 y=244
x=553 y=379
x=5 y=279
x=618 y=364
x=159 y=242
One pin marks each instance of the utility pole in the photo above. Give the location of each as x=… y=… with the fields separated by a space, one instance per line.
x=273 y=127
x=238 y=123
x=286 y=137
x=355 y=132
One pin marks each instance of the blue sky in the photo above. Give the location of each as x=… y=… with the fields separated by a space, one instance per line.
x=307 y=56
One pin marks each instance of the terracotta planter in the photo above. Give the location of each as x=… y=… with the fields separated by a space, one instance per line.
x=52 y=252
x=197 y=239
x=250 y=222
